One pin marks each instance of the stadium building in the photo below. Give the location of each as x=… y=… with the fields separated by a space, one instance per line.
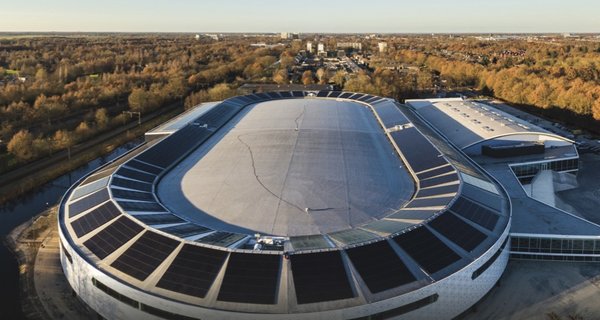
x=314 y=205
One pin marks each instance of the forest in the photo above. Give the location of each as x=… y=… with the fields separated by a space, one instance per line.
x=58 y=91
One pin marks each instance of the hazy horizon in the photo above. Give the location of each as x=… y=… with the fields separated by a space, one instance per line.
x=311 y=16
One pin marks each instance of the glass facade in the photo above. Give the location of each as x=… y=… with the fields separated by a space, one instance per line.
x=531 y=169
x=583 y=247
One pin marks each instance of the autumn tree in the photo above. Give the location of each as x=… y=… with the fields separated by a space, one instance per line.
x=307 y=77
x=21 y=146
x=101 y=118
x=281 y=76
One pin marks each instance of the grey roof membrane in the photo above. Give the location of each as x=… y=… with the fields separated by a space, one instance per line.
x=290 y=167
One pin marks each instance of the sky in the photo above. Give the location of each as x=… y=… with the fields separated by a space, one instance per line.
x=305 y=16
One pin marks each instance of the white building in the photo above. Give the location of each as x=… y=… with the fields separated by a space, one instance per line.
x=382 y=46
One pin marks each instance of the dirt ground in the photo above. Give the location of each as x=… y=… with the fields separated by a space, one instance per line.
x=536 y=289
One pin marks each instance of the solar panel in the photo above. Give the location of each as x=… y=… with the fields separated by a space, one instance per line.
x=273 y=95
x=141 y=206
x=435 y=172
x=323 y=93
x=379 y=266
x=81 y=191
x=320 y=277
x=97 y=176
x=193 y=271
x=357 y=96
x=262 y=96
x=252 y=98
x=453 y=188
x=352 y=236
x=388 y=226
x=136 y=175
x=222 y=238
x=334 y=94
x=390 y=115
x=88 y=202
x=412 y=214
x=298 y=94
x=346 y=95
x=365 y=98
x=153 y=219
x=251 y=278
x=417 y=150
x=132 y=195
x=309 y=242
x=95 y=218
x=185 y=230
x=426 y=249
x=458 y=231
x=438 y=180
x=130 y=184
x=145 y=255
x=476 y=213
x=429 y=202
x=111 y=238
x=486 y=198
x=144 y=167
x=285 y=94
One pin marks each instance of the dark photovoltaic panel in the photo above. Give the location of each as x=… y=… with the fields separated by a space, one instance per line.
x=141 y=206
x=372 y=99
x=390 y=115
x=298 y=94
x=111 y=238
x=335 y=94
x=484 y=197
x=379 y=266
x=365 y=98
x=152 y=219
x=453 y=188
x=429 y=202
x=251 y=278
x=144 y=167
x=222 y=238
x=136 y=175
x=409 y=214
x=426 y=249
x=193 y=271
x=285 y=94
x=323 y=93
x=88 y=202
x=346 y=95
x=417 y=150
x=252 y=98
x=320 y=277
x=435 y=172
x=476 y=213
x=274 y=95
x=95 y=218
x=262 y=95
x=97 y=176
x=185 y=230
x=246 y=99
x=438 y=180
x=132 y=195
x=458 y=231
x=130 y=184
x=144 y=256
x=357 y=96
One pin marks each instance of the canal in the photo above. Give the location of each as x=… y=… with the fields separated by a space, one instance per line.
x=20 y=210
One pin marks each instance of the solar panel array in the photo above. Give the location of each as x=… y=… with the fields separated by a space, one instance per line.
x=458 y=231
x=431 y=253
x=95 y=219
x=145 y=255
x=320 y=277
x=251 y=278
x=475 y=212
x=379 y=266
x=193 y=271
x=88 y=202
x=111 y=238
